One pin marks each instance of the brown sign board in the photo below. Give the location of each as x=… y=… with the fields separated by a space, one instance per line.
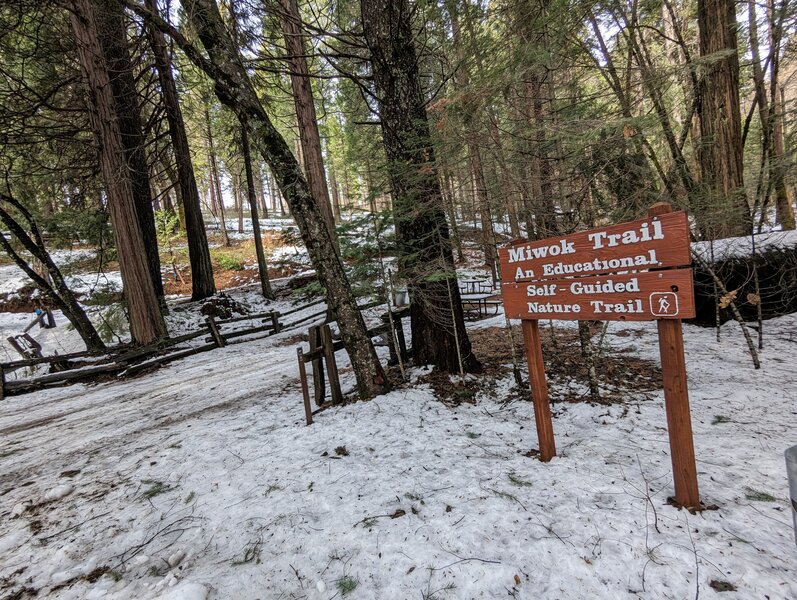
x=653 y=243
x=623 y=272
x=644 y=296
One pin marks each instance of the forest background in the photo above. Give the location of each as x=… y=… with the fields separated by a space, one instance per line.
x=131 y=127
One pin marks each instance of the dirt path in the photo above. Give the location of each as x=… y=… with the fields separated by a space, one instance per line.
x=41 y=428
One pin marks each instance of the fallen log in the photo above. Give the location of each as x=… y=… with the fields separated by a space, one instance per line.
x=776 y=269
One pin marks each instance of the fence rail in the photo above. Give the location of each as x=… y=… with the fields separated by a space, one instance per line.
x=125 y=359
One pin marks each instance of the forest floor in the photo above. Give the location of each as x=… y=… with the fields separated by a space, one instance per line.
x=200 y=480
x=96 y=281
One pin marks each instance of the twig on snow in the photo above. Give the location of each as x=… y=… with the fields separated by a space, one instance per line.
x=76 y=526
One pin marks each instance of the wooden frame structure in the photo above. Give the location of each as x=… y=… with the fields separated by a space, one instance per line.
x=662 y=246
x=321 y=356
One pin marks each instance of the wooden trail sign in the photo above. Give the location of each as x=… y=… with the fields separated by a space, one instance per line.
x=621 y=272
x=628 y=297
x=658 y=242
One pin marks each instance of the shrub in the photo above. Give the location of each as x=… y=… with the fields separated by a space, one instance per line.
x=227 y=262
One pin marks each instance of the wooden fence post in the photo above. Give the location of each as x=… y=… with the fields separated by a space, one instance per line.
x=539 y=389
x=401 y=340
x=214 y=332
x=391 y=340
x=319 y=388
x=332 y=366
x=2 y=383
x=275 y=321
x=308 y=411
x=676 y=402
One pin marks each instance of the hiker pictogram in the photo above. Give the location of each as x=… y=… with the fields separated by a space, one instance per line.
x=664 y=304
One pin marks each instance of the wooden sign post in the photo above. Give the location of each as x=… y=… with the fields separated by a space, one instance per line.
x=624 y=272
x=676 y=402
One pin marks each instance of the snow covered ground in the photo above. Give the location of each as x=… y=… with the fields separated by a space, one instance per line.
x=201 y=481
x=12 y=278
x=743 y=246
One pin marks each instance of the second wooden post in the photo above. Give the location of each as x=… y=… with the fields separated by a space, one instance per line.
x=539 y=389
x=676 y=402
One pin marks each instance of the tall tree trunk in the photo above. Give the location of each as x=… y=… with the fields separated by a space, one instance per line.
x=783 y=203
x=724 y=211
x=532 y=27
x=762 y=101
x=651 y=85
x=498 y=163
x=333 y=181
x=474 y=151
x=425 y=257
x=276 y=197
x=262 y=265
x=509 y=188
x=146 y=321
x=239 y=204
x=234 y=89
x=260 y=187
x=215 y=180
x=545 y=211
x=177 y=208
x=202 y=284
x=485 y=211
x=268 y=190
x=783 y=200
x=214 y=205
x=306 y=119
x=112 y=29
x=449 y=198
x=346 y=189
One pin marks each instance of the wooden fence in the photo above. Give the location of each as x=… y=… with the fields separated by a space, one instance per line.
x=322 y=351
x=125 y=359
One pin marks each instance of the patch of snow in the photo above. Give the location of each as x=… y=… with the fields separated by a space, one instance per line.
x=12 y=278
x=58 y=492
x=61 y=339
x=743 y=246
x=186 y=591
x=176 y=558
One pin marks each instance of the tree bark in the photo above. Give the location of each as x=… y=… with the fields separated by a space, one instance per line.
x=425 y=256
x=449 y=198
x=783 y=201
x=723 y=210
x=333 y=181
x=262 y=265
x=202 y=283
x=306 y=119
x=783 y=204
x=146 y=321
x=532 y=31
x=260 y=188
x=237 y=189
x=113 y=41
x=474 y=151
x=215 y=181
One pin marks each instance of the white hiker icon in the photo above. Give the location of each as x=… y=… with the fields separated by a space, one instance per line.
x=664 y=304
